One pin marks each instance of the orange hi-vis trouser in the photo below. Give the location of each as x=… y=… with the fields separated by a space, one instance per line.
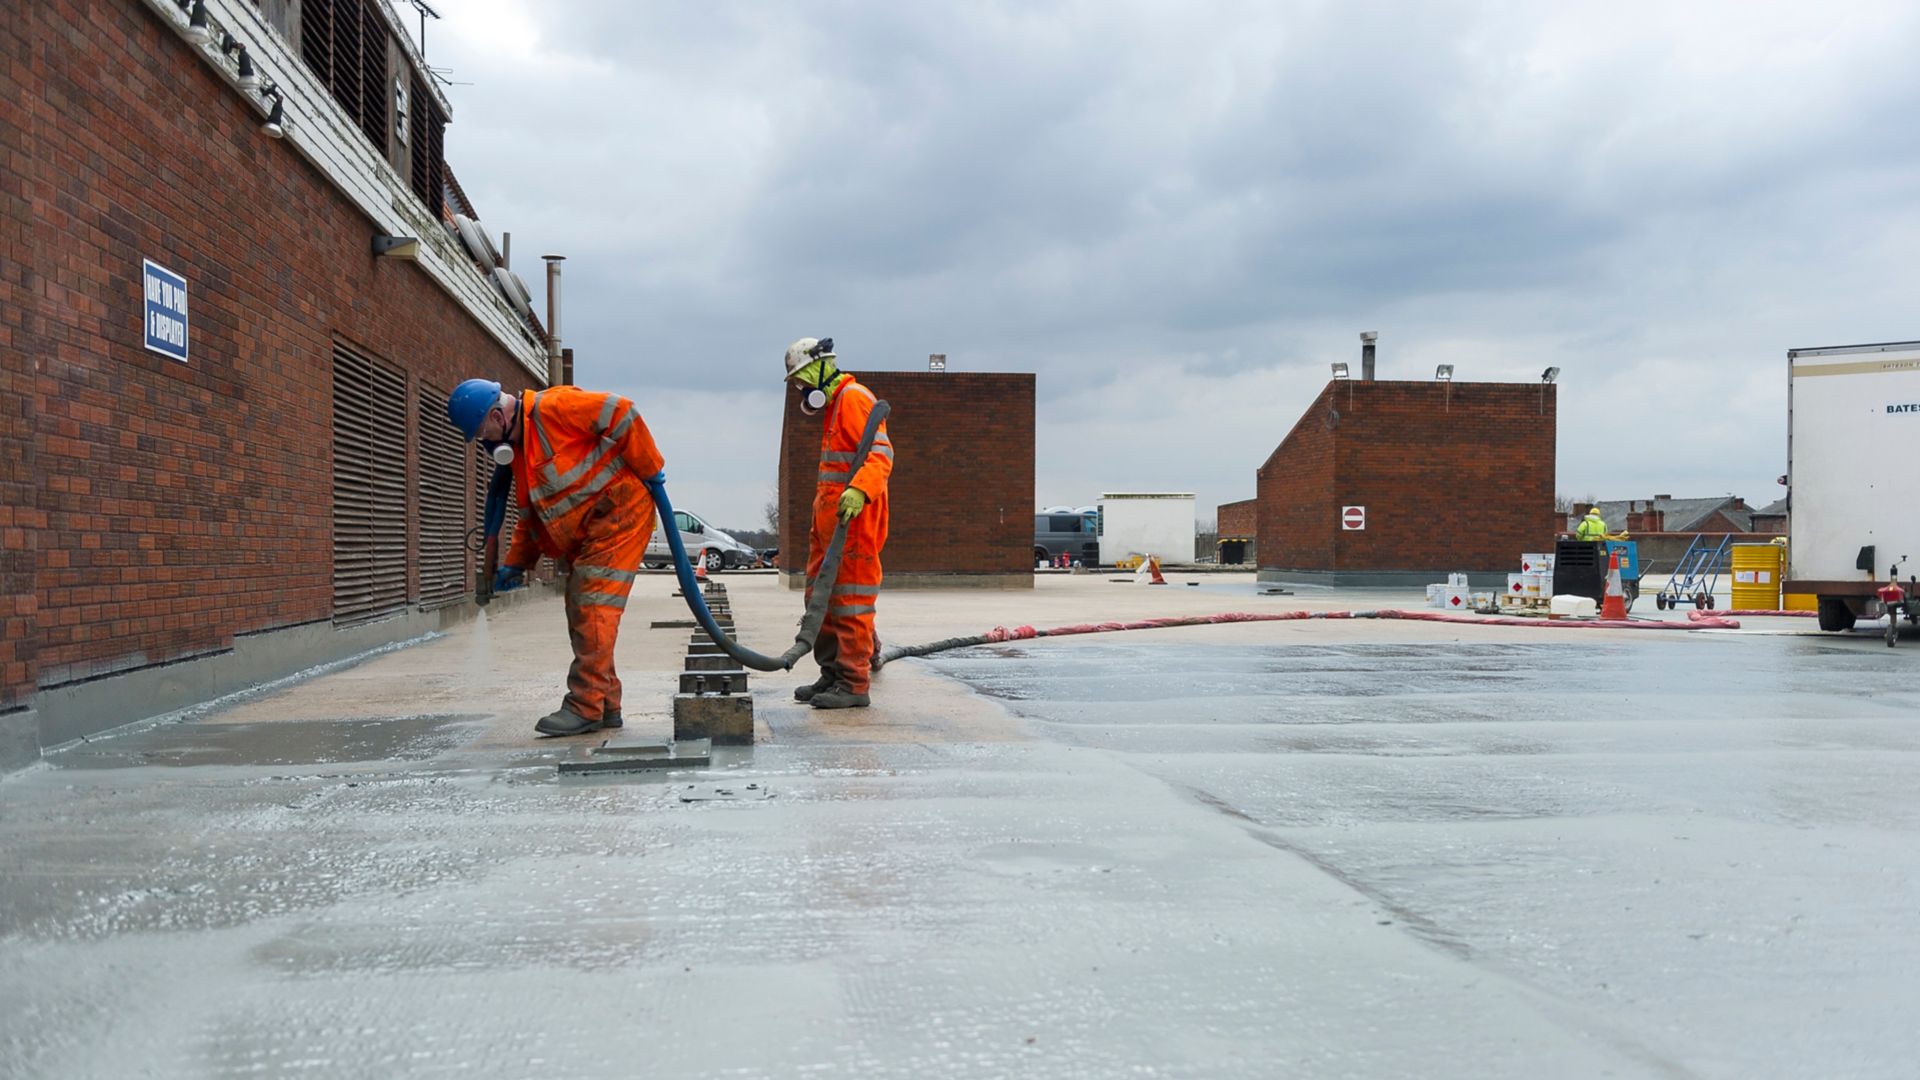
x=845 y=646
x=580 y=472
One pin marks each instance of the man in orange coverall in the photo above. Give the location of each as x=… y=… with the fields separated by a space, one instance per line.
x=845 y=647
x=578 y=479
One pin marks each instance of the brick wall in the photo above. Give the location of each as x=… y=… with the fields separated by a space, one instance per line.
x=961 y=495
x=1293 y=489
x=1453 y=476
x=20 y=517
x=182 y=504
x=1238 y=518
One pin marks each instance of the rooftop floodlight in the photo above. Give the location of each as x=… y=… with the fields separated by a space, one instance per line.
x=937 y=361
x=276 y=123
x=1339 y=370
x=198 y=31
x=396 y=247
x=249 y=78
x=1443 y=373
x=1550 y=374
x=1368 y=337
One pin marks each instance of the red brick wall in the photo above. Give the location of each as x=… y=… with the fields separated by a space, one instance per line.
x=961 y=495
x=186 y=503
x=1294 y=488
x=1238 y=518
x=1453 y=476
x=20 y=517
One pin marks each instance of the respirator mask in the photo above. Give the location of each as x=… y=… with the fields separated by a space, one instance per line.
x=501 y=453
x=813 y=400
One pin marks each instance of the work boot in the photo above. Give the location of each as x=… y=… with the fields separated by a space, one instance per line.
x=807 y=692
x=611 y=718
x=564 y=721
x=838 y=696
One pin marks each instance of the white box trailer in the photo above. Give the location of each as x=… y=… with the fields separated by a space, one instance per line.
x=1146 y=523
x=1853 y=423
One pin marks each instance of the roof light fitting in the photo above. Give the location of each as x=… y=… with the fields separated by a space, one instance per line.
x=1339 y=370
x=275 y=125
x=249 y=78
x=1550 y=375
x=937 y=361
x=197 y=29
x=396 y=247
x=1443 y=373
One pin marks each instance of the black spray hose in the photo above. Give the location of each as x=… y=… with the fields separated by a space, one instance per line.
x=822 y=584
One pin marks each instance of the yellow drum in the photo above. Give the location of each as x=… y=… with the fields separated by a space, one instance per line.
x=1756 y=577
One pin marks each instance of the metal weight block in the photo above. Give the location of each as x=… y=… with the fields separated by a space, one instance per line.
x=713 y=682
x=727 y=719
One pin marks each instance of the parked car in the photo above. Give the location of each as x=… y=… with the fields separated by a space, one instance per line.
x=1070 y=533
x=710 y=547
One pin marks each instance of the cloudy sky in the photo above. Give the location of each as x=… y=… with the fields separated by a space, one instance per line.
x=1178 y=214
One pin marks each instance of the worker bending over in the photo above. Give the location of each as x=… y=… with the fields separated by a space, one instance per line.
x=1591 y=527
x=578 y=480
x=846 y=643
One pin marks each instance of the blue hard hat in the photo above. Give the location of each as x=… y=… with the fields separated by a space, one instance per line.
x=468 y=405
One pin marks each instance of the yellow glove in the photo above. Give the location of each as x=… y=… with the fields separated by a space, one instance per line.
x=852 y=501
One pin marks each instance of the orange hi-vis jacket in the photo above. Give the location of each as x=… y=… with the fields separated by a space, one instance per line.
x=846 y=642
x=580 y=451
x=846 y=421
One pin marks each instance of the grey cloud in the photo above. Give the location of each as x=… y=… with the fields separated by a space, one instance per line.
x=1216 y=193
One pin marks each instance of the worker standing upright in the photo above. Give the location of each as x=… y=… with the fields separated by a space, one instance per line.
x=1591 y=527
x=583 y=500
x=846 y=643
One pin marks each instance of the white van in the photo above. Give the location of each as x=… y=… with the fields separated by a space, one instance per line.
x=705 y=545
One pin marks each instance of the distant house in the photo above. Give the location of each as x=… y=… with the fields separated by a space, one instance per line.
x=1771 y=518
x=1664 y=513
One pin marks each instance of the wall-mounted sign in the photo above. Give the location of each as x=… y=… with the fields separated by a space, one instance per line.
x=166 y=310
x=1353 y=518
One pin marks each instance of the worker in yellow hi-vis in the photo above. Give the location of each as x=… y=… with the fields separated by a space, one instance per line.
x=1591 y=527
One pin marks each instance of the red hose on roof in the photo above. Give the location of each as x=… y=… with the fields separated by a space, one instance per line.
x=1698 y=620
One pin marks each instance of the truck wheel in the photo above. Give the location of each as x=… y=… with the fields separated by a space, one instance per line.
x=1835 y=615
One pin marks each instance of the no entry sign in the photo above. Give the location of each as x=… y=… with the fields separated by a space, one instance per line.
x=1353 y=518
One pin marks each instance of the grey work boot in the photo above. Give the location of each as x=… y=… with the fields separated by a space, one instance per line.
x=838 y=696
x=564 y=721
x=807 y=692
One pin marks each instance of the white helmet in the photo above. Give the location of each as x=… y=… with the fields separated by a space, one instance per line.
x=806 y=351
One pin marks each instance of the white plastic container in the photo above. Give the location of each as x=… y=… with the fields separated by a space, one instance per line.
x=1571 y=607
x=1458 y=599
x=1535 y=561
x=1456 y=581
x=1540 y=584
x=1436 y=596
x=1516 y=584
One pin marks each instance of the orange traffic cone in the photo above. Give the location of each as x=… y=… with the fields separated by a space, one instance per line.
x=1615 y=604
x=1153 y=565
x=700 y=568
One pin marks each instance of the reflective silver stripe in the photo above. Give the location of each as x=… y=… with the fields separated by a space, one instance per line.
x=606 y=413
x=601 y=599
x=837 y=457
x=836 y=477
x=538 y=431
x=883 y=451
x=850 y=609
x=557 y=482
x=587 y=491
x=856 y=590
x=603 y=573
